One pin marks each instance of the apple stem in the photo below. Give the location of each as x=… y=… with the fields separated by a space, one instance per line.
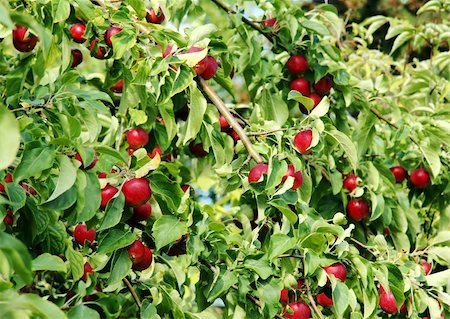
x=133 y=292
x=311 y=300
x=223 y=109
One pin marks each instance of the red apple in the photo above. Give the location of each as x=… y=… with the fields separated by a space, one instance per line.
x=302 y=141
x=109 y=33
x=387 y=231
x=117 y=87
x=136 y=252
x=300 y=85
x=146 y=260
x=399 y=172
x=184 y=188
x=224 y=125
x=102 y=175
x=426 y=267
x=284 y=293
x=210 y=69
x=316 y=99
x=153 y=17
x=91 y=165
x=156 y=150
x=137 y=138
x=350 y=182
x=338 y=270
x=200 y=67
x=300 y=310
x=100 y=52
x=297 y=175
x=324 y=300
x=29 y=189
x=8 y=179
x=387 y=301
x=77 y=31
x=77 y=57
x=256 y=173
x=358 y=209
x=270 y=23
x=142 y=213
x=197 y=149
x=235 y=135
x=297 y=64
x=107 y=193
x=323 y=86
x=9 y=218
x=136 y=191
x=86 y=271
x=20 y=40
x=420 y=178
x=82 y=235
x=167 y=51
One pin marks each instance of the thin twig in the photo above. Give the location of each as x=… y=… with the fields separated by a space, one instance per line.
x=133 y=292
x=311 y=300
x=223 y=109
x=383 y=118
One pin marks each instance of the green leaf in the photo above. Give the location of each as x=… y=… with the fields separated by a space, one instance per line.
x=167 y=229
x=431 y=154
x=340 y=297
x=283 y=207
x=273 y=107
x=61 y=10
x=104 y=149
x=114 y=240
x=315 y=27
x=76 y=264
x=196 y=113
x=167 y=193
x=17 y=256
x=222 y=285
x=438 y=279
x=9 y=144
x=113 y=212
x=121 y=265
x=279 y=244
x=201 y=32
x=321 y=109
x=122 y=42
x=259 y=266
x=34 y=161
x=48 y=262
x=66 y=177
x=82 y=312
x=347 y=145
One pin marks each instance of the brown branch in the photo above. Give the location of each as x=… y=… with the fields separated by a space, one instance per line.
x=133 y=292
x=311 y=300
x=383 y=118
x=223 y=109
x=250 y=23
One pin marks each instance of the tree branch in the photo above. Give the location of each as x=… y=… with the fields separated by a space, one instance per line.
x=223 y=109
x=133 y=292
x=311 y=300
x=383 y=118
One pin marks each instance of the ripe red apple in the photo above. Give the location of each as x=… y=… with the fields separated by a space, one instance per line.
x=136 y=252
x=426 y=267
x=270 y=23
x=300 y=310
x=224 y=125
x=20 y=40
x=91 y=165
x=77 y=31
x=107 y=193
x=297 y=175
x=210 y=69
x=77 y=57
x=338 y=270
x=420 y=178
x=404 y=309
x=302 y=141
x=387 y=231
x=100 y=52
x=9 y=218
x=156 y=150
x=284 y=293
x=257 y=172
x=235 y=135
x=184 y=188
x=29 y=189
x=102 y=175
x=142 y=212
x=8 y=179
x=399 y=172
x=153 y=17
x=167 y=51
x=350 y=182
x=200 y=67
x=146 y=260
x=137 y=138
x=117 y=87
x=324 y=300
x=300 y=85
x=86 y=271
x=297 y=64
x=316 y=99
x=323 y=86
x=358 y=209
x=82 y=235
x=197 y=149
x=109 y=33
x=387 y=301
x=136 y=191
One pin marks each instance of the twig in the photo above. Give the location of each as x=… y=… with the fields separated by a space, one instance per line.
x=223 y=109
x=383 y=118
x=271 y=132
x=322 y=170
x=311 y=300
x=133 y=292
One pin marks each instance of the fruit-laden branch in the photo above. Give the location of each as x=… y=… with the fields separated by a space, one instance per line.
x=223 y=109
x=250 y=23
x=133 y=292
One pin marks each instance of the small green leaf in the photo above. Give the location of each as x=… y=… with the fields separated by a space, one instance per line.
x=113 y=212
x=48 y=262
x=348 y=146
x=34 y=161
x=114 y=240
x=82 y=312
x=196 y=113
x=121 y=265
x=9 y=144
x=279 y=244
x=167 y=229
x=66 y=177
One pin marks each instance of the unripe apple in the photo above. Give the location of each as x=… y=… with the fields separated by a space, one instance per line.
x=136 y=191
x=420 y=178
x=338 y=270
x=300 y=85
x=399 y=173
x=87 y=269
x=210 y=69
x=142 y=212
x=323 y=86
x=297 y=64
x=153 y=17
x=297 y=175
x=426 y=267
x=387 y=301
x=82 y=235
x=224 y=125
x=300 y=310
x=302 y=141
x=137 y=138
x=324 y=300
x=117 y=87
x=77 y=31
x=270 y=23
x=8 y=179
x=20 y=42
x=350 y=182
x=109 y=33
x=91 y=165
x=257 y=172
x=77 y=57
x=197 y=149
x=100 y=53
x=136 y=252
x=107 y=193
x=358 y=209
x=146 y=260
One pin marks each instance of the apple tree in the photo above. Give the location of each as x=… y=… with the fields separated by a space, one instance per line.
x=223 y=159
